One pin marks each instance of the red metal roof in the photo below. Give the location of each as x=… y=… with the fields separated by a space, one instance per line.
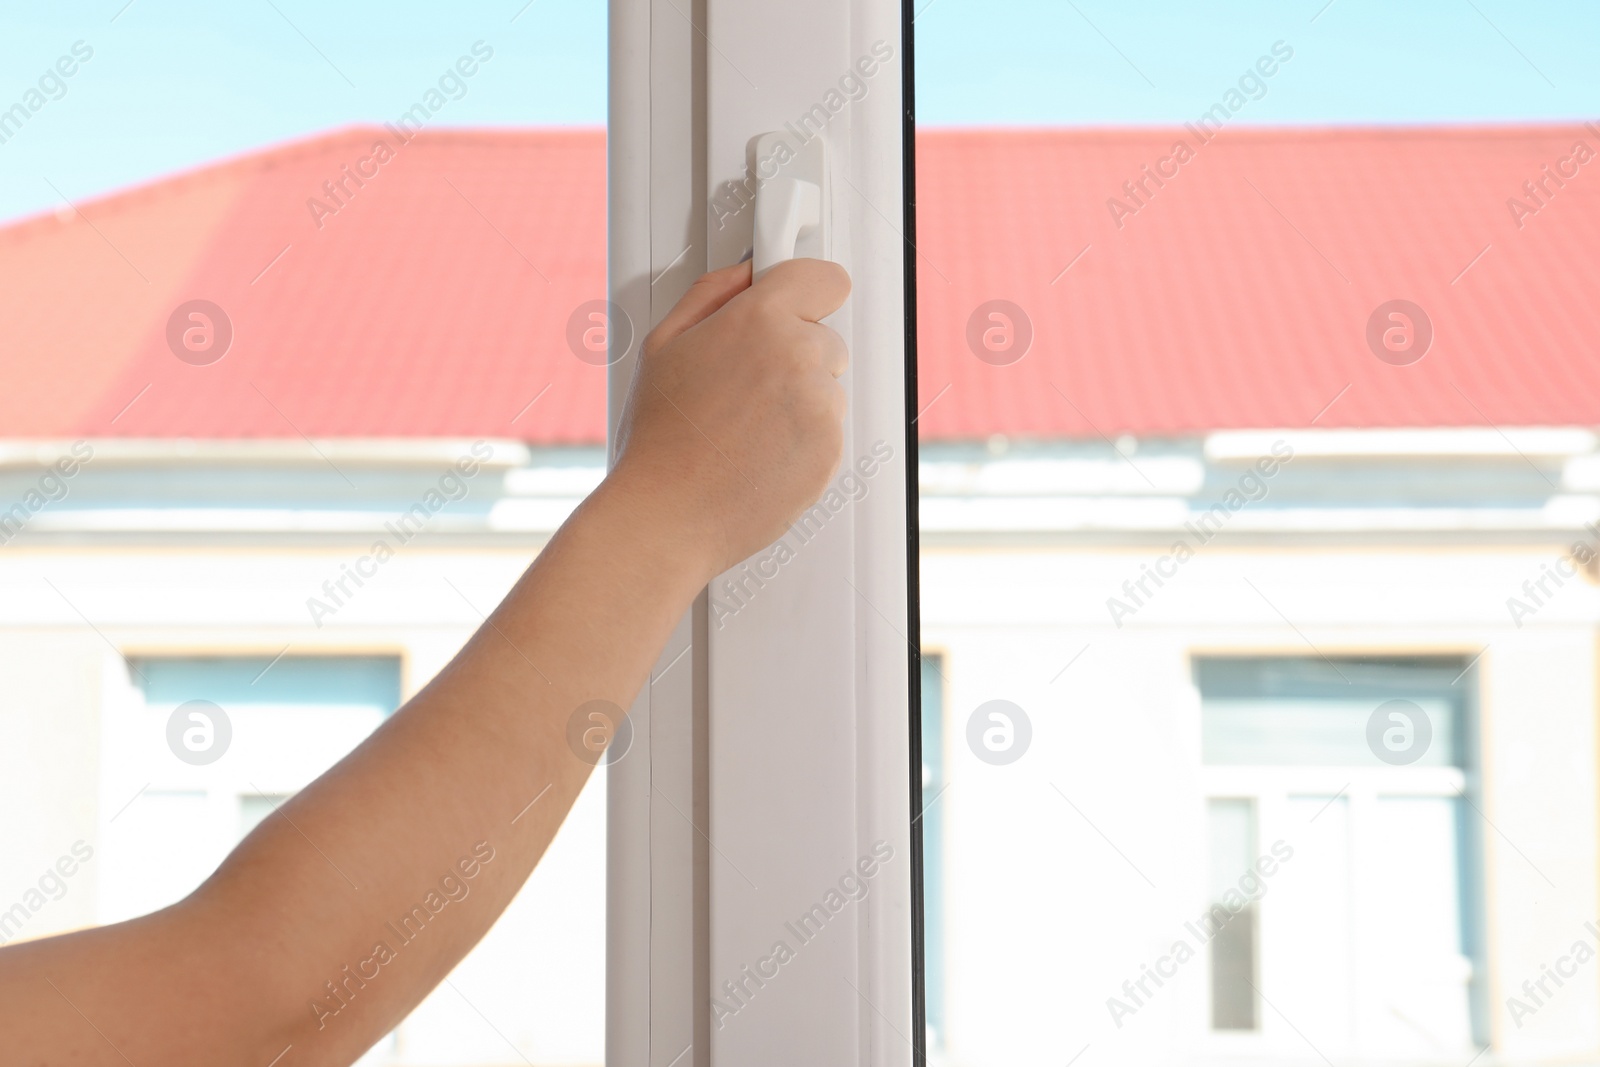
x=435 y=300
x=433 y=303
x=1238 y=294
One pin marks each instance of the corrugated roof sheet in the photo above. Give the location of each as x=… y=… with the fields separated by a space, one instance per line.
x=1235 y=292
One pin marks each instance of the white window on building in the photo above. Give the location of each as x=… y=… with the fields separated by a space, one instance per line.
x=1342 y=894
x=206 y=747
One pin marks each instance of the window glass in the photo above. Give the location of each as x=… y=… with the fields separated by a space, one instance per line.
x=1259 y=529
x=291 y=398
x=1230 y=914
x=1293 y=711
x=1395 y=816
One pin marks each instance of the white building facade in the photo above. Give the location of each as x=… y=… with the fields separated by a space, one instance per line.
x=1183 y=839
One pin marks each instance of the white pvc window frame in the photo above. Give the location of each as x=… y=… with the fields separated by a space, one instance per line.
x=770 y=770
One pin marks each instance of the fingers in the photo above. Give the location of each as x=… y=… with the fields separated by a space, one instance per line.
x=705 y=296
x=811 y=288
x=833 y=355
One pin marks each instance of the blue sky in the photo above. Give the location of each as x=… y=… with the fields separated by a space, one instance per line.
x=1104 y=62
x=176 y=83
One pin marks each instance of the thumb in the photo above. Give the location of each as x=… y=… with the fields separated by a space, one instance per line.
x=705 y=296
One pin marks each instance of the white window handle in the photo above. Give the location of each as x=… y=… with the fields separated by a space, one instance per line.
x=790 y=219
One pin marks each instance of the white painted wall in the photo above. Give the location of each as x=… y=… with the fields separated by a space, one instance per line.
x=1065 y=871
x=537 y=979
x=1047 y=919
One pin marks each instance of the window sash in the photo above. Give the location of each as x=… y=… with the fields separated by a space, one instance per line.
x=771 y=763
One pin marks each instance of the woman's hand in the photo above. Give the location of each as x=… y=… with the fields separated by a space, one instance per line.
x=733 y=426
x=735 y=421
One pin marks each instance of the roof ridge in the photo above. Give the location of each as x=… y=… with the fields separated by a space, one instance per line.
x=270 y=156
x=256 y=160
x=1331 y=131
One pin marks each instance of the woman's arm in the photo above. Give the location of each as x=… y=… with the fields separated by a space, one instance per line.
x=341 y=912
